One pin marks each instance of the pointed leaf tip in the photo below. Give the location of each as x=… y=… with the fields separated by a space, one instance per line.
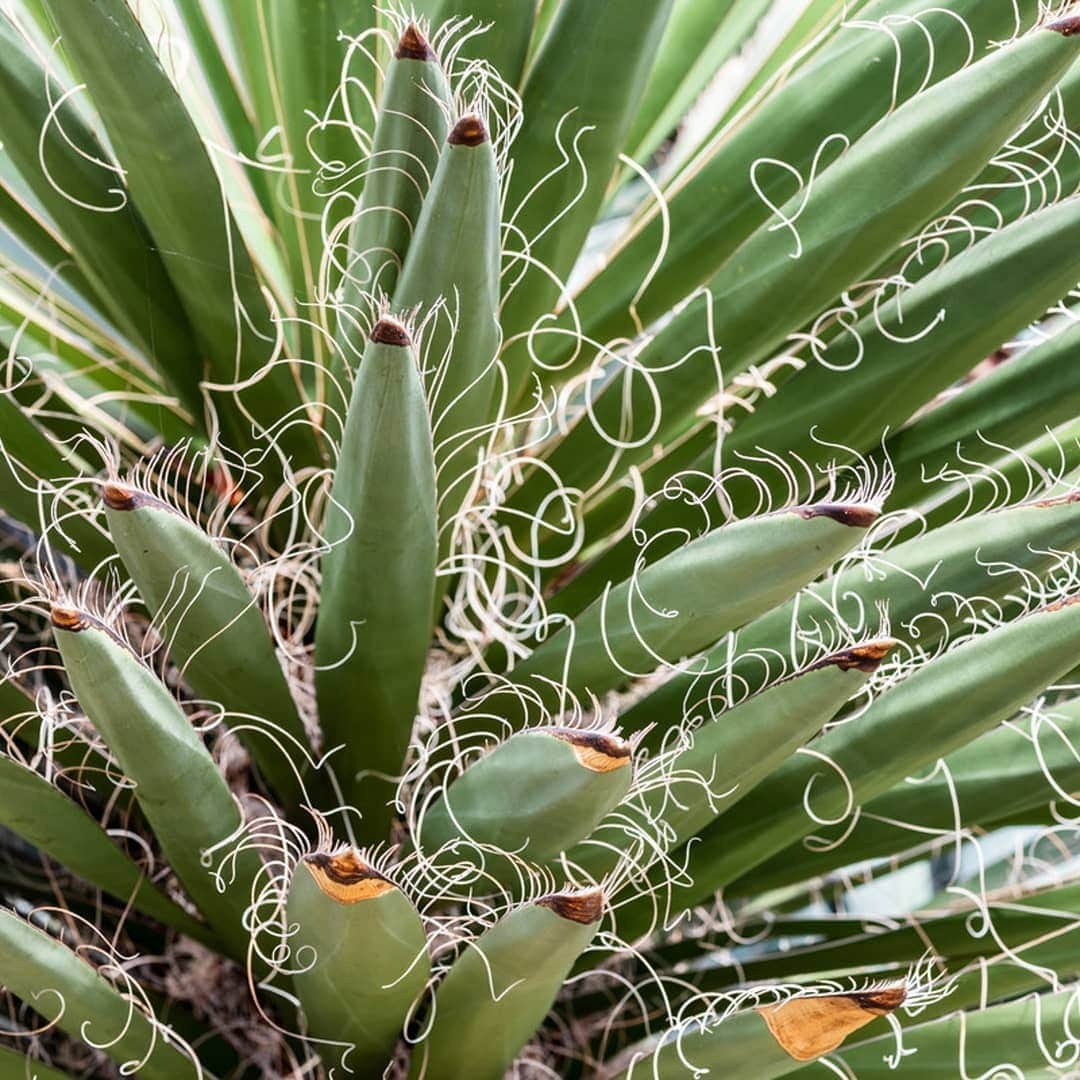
x=67 y=619
x=346 y=877
x=595 y=750
x=468 y=131
x=865 y=657
x=580 y=907
x=807 y=1027
x=1066 y=27
x=389 y=331
x=413 y=45
x=118 y=497
x=858 y=515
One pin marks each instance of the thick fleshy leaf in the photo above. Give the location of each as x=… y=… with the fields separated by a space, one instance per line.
x=728 y=755
x=923 y=153
x=503 y=985
x=678 y=605
x=362 y=955
x=461 y=338
x=14 y=1065
x=178 y=785
x=872 y=379
x=948 y=701
x=1026 y=1036
x=1020 y=769
x=29 y=463
x=294 y=56
x=765 y=1042
x=586 y=80
x=108 y=239
x=951 y=938
x=1012 y=405
x=37 y=239
x=378 y=576
x=810 y=31
x=699 y=37
x=156 y=142
x=65 y=988
x=850 y=84
x=43 y=816
x=534 y=795
x=211 y=48
x=410 y=130
x=914 y=579
x=215 y=631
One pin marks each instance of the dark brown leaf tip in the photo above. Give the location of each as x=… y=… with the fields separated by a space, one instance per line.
x=1067 y=26
x=864 y=657
x=68 y=619
x=121 y=497
x=580 y=907
x=413 y=45
x=346 y=877
x=881 y=1002
x=858 y=515
x=389 y=331
x=597 y=751
x=468 y=131
x=118 y=497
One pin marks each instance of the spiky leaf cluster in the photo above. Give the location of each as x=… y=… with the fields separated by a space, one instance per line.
x=540 y=538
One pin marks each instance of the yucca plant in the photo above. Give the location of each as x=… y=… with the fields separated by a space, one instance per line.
x=540 y=538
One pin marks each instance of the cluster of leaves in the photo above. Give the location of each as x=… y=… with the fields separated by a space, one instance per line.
x=438 y=641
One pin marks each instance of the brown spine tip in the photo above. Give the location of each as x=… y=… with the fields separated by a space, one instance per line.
x=595 y=750
x=858 y=515
x=118 y=497
x=121 y=497
x=389 y=331
x=67 y=619
x=1065 y=27
x=413 y=45
x=882 y=1002
x=864 y=657
x=580 y=907
x=346 y=877
x=808 y=1027
x=468 y=131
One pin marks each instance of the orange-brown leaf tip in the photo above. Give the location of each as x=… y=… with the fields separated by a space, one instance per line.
x=581 y=907
x=413 y=45
x=596 y=750
x=346 y=877
x=858 y=515
x=389 y=331
x=67 y=619
x=807 y=1027
x=468 y=131
x=1067 y=26
x=864 y=657
x=118 y=497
